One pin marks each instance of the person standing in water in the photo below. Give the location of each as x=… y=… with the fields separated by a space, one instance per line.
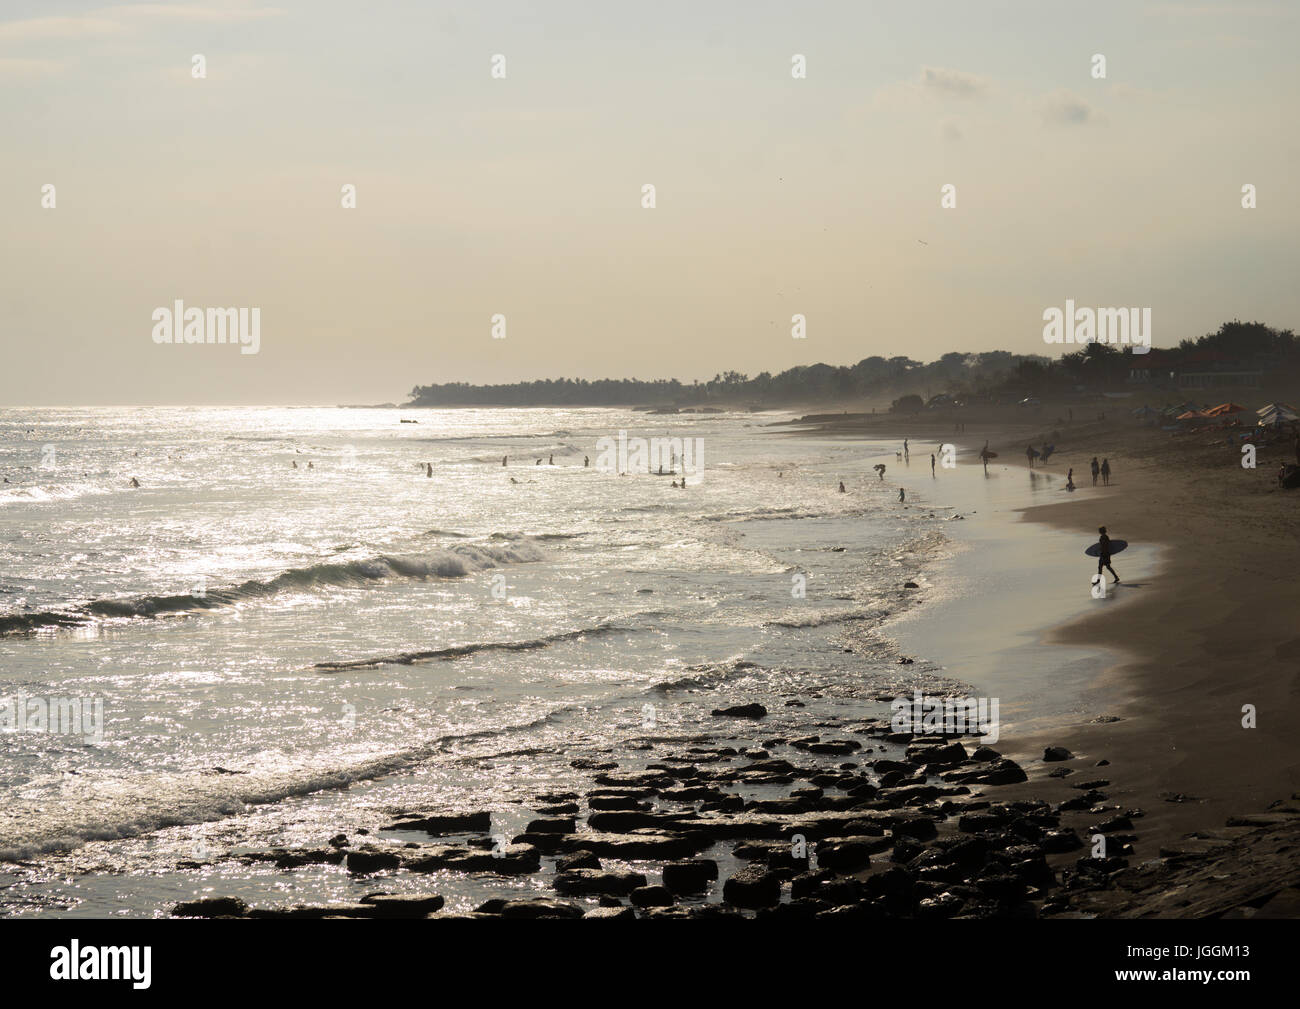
x=905 y=452
x=932 y=464
x=841 y=486
x=901 y=495
x=1105 y=472
x=503 y=460
x=1096 y=468
x=586 y=461
x=1103 y=559
x=428 y=469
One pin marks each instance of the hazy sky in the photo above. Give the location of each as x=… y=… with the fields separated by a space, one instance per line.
x=522 y=196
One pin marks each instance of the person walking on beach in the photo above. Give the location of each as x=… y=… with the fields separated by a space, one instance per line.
x=931 y=465
x=1103 y=559
x=1069 y=479
x=1096 y=468
x=1105 y=472
x=906 y=454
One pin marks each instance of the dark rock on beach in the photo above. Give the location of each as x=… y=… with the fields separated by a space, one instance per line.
x=211 y=907
x=395 y=905
x=692 y=876
x=363 y=862
x=742 y=711
x=752 y=887
x=598 y=881
x=455 y=823
x=652 y=896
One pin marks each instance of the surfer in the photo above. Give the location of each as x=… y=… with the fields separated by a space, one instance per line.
x=134 y=482
x=1096 y=468
x=1103 y=558
x=1105 y=472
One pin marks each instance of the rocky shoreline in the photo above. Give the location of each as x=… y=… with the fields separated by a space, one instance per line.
x=871 y=823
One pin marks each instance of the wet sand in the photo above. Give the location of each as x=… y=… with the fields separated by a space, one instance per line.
x=1205 y=624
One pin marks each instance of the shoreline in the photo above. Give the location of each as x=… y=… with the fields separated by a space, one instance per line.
x=1203 y=632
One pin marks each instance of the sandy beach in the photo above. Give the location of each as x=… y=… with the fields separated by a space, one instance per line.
x=1205 y=630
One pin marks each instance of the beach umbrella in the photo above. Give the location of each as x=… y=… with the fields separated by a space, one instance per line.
x=1277 y=414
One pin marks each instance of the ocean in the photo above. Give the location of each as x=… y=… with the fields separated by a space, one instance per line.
x=277 y=654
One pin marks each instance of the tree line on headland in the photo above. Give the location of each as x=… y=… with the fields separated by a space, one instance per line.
x=988 y=377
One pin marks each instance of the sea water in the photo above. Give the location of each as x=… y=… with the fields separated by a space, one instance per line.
x=280 y=652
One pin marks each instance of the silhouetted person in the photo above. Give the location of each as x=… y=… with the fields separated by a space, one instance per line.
x=841 y=486
x=428 y=469
x=586 y=461
x=931 y=464
x=1105 y=472
x=1103 y=559
x=1096 y=468
x=503 y=460
x=901 y=495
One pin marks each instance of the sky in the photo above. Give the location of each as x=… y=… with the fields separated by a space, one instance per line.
x=522 y=195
